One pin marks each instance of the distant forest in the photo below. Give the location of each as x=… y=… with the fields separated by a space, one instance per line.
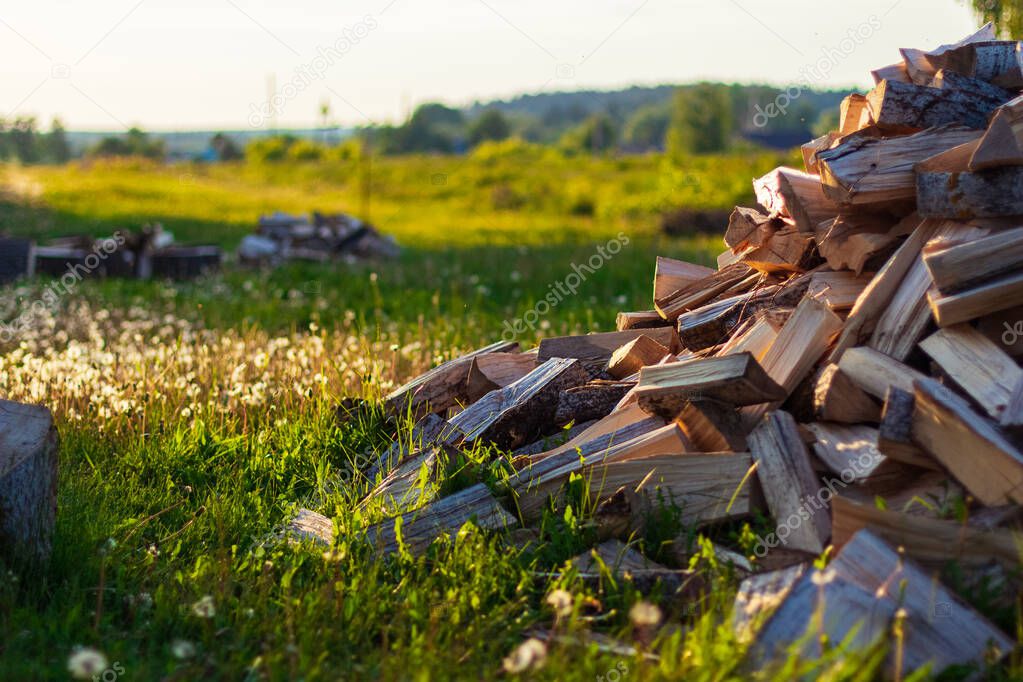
x=696 y=118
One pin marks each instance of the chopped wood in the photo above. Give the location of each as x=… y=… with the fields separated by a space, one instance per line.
x=922 y=65
x=441 y=388
x=736 y=278
x=638 y=353
x=789 y=484
x=795 y=195
x=550 y=442
x=854 y=114
x=837 y=398
x=851 y=452
x=594 y=400
x=597 y=349
x=875 y=372
x=492 y=371
x=519 y=413
x=976 y=365
x=982 y=300
x=759 y=596
x=28 y=479
x=871 y=172
x=749 y=227
x=995 y=61
x=855 y=242
x=906 y=107
x=895 y=434
x=811 y=148
x=970 y=447
x=892 y=72
x=312 y=527
x=616 y=556
x=639 y=319
x=670 y=275
x=1002 y=143
x=621 y=425
x=943 y=193
x=757 y=338
x=447 y=515
x=930 y=541
x=963 y=266
x=737 y=379
x=856 y=599
x=422 y=433
x=712 y=426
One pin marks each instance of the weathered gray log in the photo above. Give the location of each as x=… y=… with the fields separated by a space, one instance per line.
x=594 y=350
x=519 y=413
x=28 y=479
x=996 y=61
x=865 y=171
x=594 y=400
x=901 y=106
x=963 y=195
x=423 y=433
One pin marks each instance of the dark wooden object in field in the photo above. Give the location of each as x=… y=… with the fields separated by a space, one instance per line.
x=17 y=259
x=186 y=262
x=57 y=261
x=28 y=479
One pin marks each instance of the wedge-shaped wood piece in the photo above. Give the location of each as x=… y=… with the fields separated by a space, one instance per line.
x=621 y=425
x=996 y=61
x=535 y=483
x=28 y=478
x=788 y=481
x=756 y=338
x=713 y=426
x=907 y=316
x=639 y=319
x=963 y=195
x=594 y=400
x=895 y=434
x=421 y=527
x=905 y=106
x=837 y=290
x=875 y=372
x=858 y=241
x=708 y=488
x=671 y=275
x=932 y=542
x=311 y=526
x=859 y=593
x=596 y=349
x=976 y=364
x=758 y=597
x=892 y=72
x=749 y=227
x=550 y=442
x=851 y=452
x=422 y=434
x=836 y=398
x=1002 y=144
x=984 y=299
x=921 y=65
x=875 y=298
x=795 y=195
x=737 y=379
x=442 y=387
x=411 y=482
x=862 y=171
x=519 y=413
x=971 y=448
x=800 y=345
x=786 y=250
x=735 y=278
x=811 y=148
x=965 y=265
x=634 y=355
x=491 y=371
x=853 y=114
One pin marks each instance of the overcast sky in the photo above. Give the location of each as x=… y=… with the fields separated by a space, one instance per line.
x=186 y=64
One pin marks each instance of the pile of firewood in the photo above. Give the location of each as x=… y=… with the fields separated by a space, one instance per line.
x=320 y=238
x=150 y=252
x=850 y=370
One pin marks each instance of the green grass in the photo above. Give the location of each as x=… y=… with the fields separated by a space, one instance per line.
x=195 y=417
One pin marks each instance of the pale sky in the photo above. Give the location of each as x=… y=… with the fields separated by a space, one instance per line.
x=191 y=64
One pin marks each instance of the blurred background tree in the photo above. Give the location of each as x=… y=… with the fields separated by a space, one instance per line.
x=1007 y=16
x=701 y=121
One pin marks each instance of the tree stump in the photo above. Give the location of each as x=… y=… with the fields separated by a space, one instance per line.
x=28 y=479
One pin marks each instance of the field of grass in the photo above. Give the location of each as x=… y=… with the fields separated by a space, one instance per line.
x=195 y=417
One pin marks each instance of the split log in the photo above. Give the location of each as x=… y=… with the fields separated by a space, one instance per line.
x=855 y=600
x=795 y=195
x=758 y=336
x=963 y=266
x=594 y=350
x=594 y=400
x=895 y=434
x=736 y=379
x=28 y=479
x=944 y=189
x=422 y=434
x=310 y=526
x=713 y=426
x=670 y=275
x=491 y=371
x=639 y=319
x=412 y=482
x=621 y=425
x=976 y=365
x=749 y=227
x=996 y=61
x=421 y=527
x=800 y=345
x=871 y=172
x=836 y=398
x=735 y=278
x=851 y=452
x=811 y=148
x=932 y=542
x=837 y=290
x=759 y=596
x=636 y=354
x=853 y=114
x=519 y=413
x=875 y=372
x=892 y=72
x=789 y=484
x=905 y=106
x=922 y=66
x=854 y=242
x=1000 y=294
x=551 y=442
x=970 y=447
x=1002 y=144
x=441 y=388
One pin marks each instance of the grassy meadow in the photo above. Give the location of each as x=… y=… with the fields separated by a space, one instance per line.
x=195 y=417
